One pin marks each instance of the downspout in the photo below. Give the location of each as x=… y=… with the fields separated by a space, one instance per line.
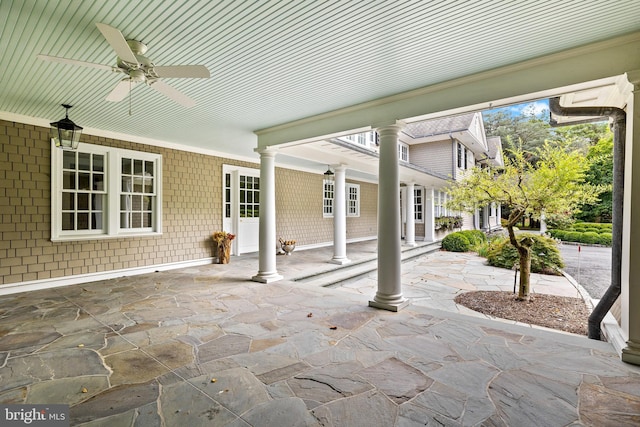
x=619 y=118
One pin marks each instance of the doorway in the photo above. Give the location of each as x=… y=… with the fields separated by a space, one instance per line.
x=241 y=207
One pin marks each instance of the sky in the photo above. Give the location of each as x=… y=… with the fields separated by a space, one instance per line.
x=539 y=109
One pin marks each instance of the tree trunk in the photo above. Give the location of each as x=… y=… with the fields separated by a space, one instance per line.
x=525 y=272
x=523 y=247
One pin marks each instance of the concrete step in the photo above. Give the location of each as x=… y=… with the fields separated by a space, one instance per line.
x=353 y=270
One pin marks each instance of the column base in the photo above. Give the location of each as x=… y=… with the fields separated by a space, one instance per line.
x=389 y=306
x=411 y=244
x=266 y=277
x=631 y=353
x=340 y=260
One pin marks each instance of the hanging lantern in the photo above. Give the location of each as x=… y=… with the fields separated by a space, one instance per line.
x=65 y=133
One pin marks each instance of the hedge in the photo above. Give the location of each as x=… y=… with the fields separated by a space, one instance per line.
x=456 y=242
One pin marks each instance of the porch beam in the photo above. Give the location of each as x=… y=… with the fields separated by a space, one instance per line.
x=541 y=77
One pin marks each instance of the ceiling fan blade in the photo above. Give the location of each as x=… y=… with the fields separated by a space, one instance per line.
x=183 y=71
x=172 y=93
x=121 y=90
x=118 y=42
x=75 y=62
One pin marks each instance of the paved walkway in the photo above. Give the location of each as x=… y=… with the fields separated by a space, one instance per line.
x=205 y=346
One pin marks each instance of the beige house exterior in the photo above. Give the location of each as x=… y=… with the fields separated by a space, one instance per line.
x=282 y=87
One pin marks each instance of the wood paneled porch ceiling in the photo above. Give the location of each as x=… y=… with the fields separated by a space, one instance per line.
x=272 y=62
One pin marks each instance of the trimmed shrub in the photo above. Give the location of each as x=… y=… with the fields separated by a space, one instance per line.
x=591 y=230
x=475 y=237
x=589 y=237
x=456 y=242
x=545 y=256
x=572 y=236
x=605 y=239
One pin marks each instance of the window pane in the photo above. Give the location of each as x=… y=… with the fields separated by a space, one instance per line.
x=84 y=180
x=137 y=167
x=147 y=220
x=83 y=221
x=68 y=201
x=96 y=221
x=98 y=163
x=148 y=168
x=84 y=161
x=67 y=221
x=242 y=196
x=137 y=184
x=243 y=211
x=126 y=184
x=256 y=211
x=136 y=220
x=227 y=211
x=126 y=166
x=148 y=185
x=249 y=197
x=83 y=202
x=97 y=202
x=256 y=183
x=69 y=180
x=256 y=197
x=227 y=180
x=98 y=182
x=125 y=203
x=69 y=160
x=124 y=220
x=136 y=203
x=148 y=205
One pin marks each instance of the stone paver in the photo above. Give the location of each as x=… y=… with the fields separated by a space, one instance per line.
x=206 y=346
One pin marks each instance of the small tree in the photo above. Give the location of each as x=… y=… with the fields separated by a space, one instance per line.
x=554 y=185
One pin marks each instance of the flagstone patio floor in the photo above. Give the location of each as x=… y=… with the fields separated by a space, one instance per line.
x=205 y=346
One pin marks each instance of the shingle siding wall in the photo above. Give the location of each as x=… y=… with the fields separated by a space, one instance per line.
x=192 y=210
x=299 y=209
x=435 y=156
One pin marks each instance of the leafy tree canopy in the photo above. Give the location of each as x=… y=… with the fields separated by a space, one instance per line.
x=555 y=184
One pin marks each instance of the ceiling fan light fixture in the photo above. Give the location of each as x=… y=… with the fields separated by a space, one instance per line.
x=65 y=133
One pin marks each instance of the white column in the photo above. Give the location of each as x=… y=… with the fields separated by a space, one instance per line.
x=389 y=294
x=410 y=233
x=429 y=216
x=267 y=271
x=339 y=218
x=631 y=223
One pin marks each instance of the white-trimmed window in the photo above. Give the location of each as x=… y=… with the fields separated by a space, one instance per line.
x=437 y=203
x=403 y=152
x=353 y=199
x=418 y=200
x=100 y=192
x=352 y=194
x=328 y=188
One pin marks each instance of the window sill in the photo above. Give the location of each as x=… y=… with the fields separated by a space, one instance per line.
x=103 y=236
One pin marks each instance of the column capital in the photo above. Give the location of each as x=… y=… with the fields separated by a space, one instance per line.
x=392 y=129
x=266 y=151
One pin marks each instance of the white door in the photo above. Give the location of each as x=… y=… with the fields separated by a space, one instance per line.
x=242 y=207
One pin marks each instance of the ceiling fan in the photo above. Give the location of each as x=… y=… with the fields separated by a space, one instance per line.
x=138 y=68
